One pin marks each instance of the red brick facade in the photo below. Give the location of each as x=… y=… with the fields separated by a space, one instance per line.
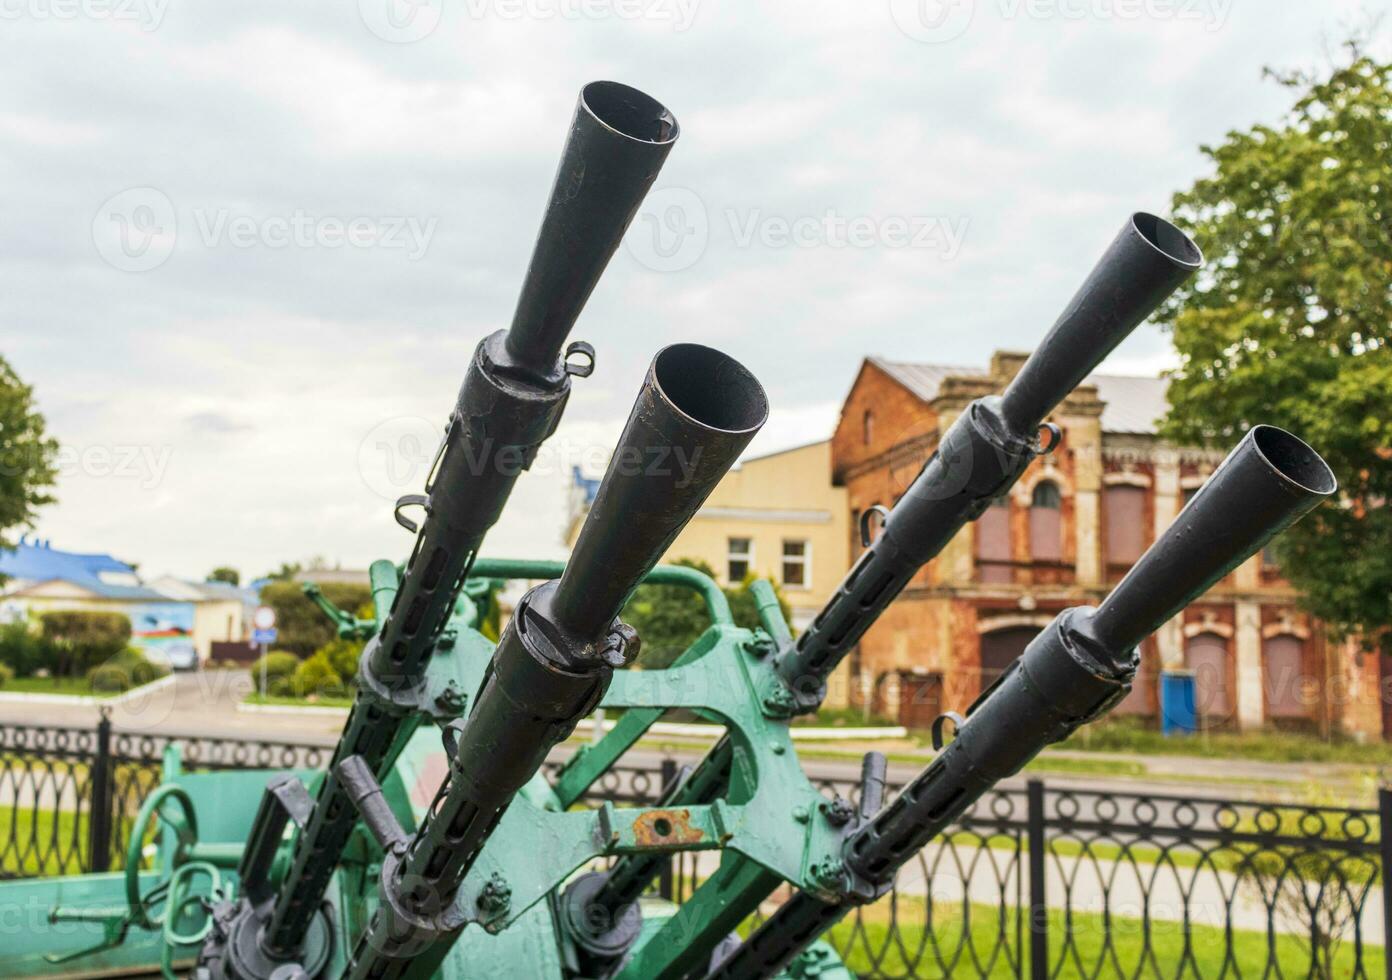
x=1069 y=530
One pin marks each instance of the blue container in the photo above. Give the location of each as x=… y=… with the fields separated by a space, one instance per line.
x=1177 y=713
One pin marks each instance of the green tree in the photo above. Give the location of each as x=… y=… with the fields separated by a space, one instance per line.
x=225 y=574
x=1289 y=321
x=669 y=618
x=28 y=457
x=302 y=628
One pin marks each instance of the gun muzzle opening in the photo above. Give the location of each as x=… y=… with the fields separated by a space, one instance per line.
x=629 y=112
x=1291 y=458
x=1168 y=240
x=710 y=388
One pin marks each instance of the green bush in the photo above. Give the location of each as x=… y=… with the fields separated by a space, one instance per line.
x=7 y=674
x=82 y=640
x=342 y=656
x=279 y=665
x=23 y=650
x=317 y=676
x=302 y=626
x=125 y=670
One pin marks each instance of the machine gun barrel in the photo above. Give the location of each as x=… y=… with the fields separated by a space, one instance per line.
x=1074 y=671
x=989 y=446
x=696 y=412
x=618 y=141
x=511 y=400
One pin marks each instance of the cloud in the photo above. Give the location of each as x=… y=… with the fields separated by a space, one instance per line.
x=275 y=393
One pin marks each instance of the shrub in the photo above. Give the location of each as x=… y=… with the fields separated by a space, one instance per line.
x=7 y=674
x=81 y=640
x=317 y=676
x=23 y=650
x=302 y=625
x=342 y=656
x=126 y=670
x=279 y=665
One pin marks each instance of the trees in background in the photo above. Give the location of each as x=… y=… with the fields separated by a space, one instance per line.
x=28 y=456
x=669 y=618
x=1289 y=322
x=224 y=574
x=302 y=626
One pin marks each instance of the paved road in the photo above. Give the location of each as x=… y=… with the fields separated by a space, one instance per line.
x=205 y=703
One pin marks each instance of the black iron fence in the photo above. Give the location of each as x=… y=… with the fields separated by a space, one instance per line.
x=68 y=796
x=1034 y=881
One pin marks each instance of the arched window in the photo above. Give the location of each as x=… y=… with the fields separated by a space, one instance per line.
x=1283 y=675
x=1124 y=507
x=993 y=542
x=1207 y=656
x=1045 y=523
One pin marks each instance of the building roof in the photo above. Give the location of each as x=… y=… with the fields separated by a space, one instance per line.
x=1130 y=404
x=35 y=561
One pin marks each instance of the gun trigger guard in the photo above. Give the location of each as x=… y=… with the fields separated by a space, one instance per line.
x=1041 y=448
x=582 y=369
x=957 y=722
x=865 y=539
x=410 y=500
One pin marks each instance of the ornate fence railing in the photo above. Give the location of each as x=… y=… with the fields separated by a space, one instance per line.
x=1034 y=880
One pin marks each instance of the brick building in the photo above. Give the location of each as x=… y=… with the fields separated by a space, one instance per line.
x=1069 y=530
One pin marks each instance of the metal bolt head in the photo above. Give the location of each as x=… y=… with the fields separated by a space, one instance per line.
x=838 y=811
x=452 y=698
x=496 y=895
x=779 y=702
x=758 y=644
x=827 y=873
x=800 y=814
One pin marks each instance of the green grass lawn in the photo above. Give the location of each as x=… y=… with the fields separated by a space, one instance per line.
x=55 y=685
x=1129 y=735
x=38 y=843
x=319 y=701
x=1118 y=947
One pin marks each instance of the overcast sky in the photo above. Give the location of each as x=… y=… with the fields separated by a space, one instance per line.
x=235 y=382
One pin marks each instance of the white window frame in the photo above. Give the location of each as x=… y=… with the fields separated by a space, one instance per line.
x=805 y=559
x=747 y=557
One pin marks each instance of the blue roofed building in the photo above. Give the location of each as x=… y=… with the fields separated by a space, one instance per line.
x=172 y=620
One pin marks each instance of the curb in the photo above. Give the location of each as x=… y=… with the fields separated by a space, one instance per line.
x=86 y=700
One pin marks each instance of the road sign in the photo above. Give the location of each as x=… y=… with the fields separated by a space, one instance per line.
x=263 y=618
x=263 y=637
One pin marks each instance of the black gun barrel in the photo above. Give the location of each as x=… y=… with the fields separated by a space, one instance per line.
x=1147 y=261
x=1074 y=671
x=510 y=402
x=697 y=410
x=618 y=141
x=1265 y=485
x=988 y=447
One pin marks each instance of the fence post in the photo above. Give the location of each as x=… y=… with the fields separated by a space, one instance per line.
x=664 y=877
x=1038 y=901
x=1385 y=842
x=99 y=808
